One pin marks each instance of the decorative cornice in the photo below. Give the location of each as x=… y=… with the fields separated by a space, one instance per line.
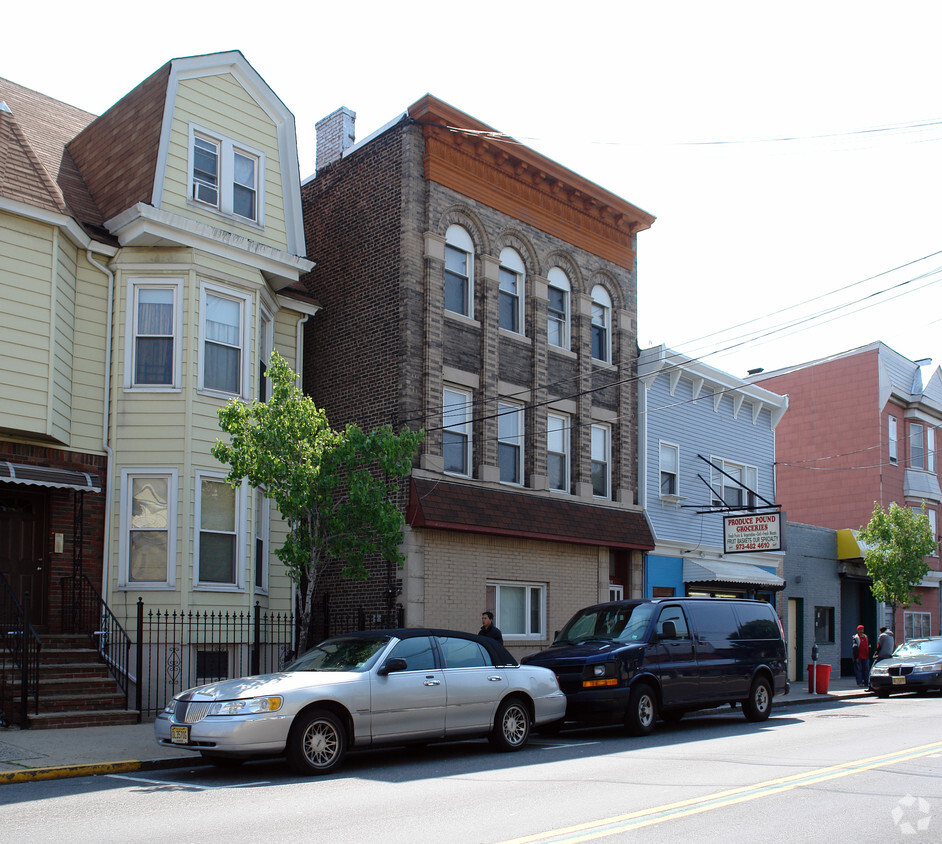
x=469 y=157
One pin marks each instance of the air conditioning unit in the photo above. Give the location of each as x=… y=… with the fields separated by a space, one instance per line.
x=205 y=193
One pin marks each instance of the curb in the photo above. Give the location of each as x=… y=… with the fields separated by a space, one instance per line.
x=60 y=772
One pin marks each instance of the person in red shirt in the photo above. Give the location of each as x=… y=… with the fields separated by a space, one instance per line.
x=861 y=655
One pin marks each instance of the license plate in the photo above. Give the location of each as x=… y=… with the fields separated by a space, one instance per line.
x=180 y=735
x=899 y=681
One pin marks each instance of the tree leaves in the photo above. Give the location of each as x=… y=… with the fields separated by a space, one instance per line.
x=336 y=490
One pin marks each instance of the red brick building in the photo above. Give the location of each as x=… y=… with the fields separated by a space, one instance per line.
x=861 y=428
x=476 y=289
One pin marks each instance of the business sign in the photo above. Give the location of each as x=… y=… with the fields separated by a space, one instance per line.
x=755 y=532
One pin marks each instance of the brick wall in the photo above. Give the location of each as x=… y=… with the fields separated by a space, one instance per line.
x=60 y=518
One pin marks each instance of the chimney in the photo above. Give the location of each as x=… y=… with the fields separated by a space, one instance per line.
x=335 y=133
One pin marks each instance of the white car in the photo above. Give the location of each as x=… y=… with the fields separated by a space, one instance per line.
x=381 y=687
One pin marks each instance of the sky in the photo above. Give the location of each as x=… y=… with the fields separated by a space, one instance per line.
x=790 y=152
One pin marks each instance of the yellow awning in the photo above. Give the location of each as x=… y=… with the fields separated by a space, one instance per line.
x=849 y=547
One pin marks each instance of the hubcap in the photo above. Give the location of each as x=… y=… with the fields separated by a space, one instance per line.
x=320 y=744
x=515 y=725
x=762 y=698
x=645 y=710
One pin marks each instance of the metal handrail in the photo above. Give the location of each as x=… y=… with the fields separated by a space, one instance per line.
x=19 y=643
x=88 y=614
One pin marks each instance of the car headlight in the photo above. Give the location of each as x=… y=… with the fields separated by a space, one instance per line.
x=935 y=666
x=879 y=669
x=602 y=674
x=171 y=705
x=246 y=706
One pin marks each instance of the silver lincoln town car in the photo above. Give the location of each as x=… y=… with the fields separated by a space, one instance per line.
x=382 y=687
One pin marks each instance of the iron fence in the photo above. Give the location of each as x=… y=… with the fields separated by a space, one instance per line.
x=19 y=658
x=177 y=650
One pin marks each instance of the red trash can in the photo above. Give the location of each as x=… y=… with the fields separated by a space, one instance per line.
x=819 y=675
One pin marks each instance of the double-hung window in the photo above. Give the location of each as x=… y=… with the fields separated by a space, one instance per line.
x=930 y=448
x=225 y=176
x=519 y=608
x=917 y=449
x=557 y=451
x=459 y=269
x=670 y=469
x=262 y=521
x=557 y=309
x=916 y=625
x=601 y=461
x=223 y=340
x=891 y=436
x=601 y=324
x=217 y=535
x=510 y=442
x=148 y=515
x=512 y=278
x=154 y=329
x=733 y=484
x=264 y=355
x=456 y=433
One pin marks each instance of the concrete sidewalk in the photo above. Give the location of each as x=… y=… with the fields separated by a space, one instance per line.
x=54 y=754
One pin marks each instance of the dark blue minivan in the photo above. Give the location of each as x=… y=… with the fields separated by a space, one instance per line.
x=635 y=661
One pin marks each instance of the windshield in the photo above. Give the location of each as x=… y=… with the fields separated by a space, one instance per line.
x=620 y=622
x=344 y=653
x=915 y=647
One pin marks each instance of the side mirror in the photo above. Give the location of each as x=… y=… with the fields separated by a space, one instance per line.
x=397 y=663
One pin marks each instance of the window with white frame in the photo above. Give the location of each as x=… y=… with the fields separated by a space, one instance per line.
x=557 y=451
x=891 y=438
x=224 y=175
x=510 y=442
x=917 y=450
x=733 y=484
x=557 y=308
x=916 y=625
x=155 y=337
x=265 y=347
x=930 y=448
x=930 y=512
x=601 y=461
x=459 y=271
x=262 y=523
x=670 y=469
x=148 y=508
x=456 y=433
x=601 y=324
x=217 y=536
x=519 y=609
x=223 y=340
x=512 y=279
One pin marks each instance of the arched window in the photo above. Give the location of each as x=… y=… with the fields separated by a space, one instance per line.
x=459 y=272
x=601 y=324
x=512 y=280
x=557 y=308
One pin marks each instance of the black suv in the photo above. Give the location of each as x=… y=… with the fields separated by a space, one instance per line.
x=635 y=661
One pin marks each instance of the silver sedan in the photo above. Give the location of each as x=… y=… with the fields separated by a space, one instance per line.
x=380 y=687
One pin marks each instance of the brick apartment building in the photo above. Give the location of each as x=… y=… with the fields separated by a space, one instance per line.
x=861 y=428
x=474 y=288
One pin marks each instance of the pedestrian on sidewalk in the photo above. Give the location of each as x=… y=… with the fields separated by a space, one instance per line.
x=861 y=656
x=886 y=644
x=488 y=628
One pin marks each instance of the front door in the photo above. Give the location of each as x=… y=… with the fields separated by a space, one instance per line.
x=22 y=528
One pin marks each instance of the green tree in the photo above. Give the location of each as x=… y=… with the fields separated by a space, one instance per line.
x=898 y=541
x=335 y=489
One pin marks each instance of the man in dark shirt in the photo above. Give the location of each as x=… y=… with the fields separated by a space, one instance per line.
x=488 y=628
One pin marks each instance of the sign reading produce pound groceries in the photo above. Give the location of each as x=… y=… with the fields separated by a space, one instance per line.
x=756 y=532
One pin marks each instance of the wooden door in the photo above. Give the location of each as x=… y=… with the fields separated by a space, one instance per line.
x=22 y=528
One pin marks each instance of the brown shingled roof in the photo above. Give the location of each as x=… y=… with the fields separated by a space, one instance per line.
x=22 y=177
x=469 y=507
x=45 y=126
x=117 y=152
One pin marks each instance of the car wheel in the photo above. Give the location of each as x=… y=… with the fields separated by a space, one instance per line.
x=881 y=692
x=511 y=726
x=317 y=742
x=221 y=760
x=758 y=705
x=642 y=710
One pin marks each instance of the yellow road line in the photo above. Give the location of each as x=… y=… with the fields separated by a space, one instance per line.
x=648 y=817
